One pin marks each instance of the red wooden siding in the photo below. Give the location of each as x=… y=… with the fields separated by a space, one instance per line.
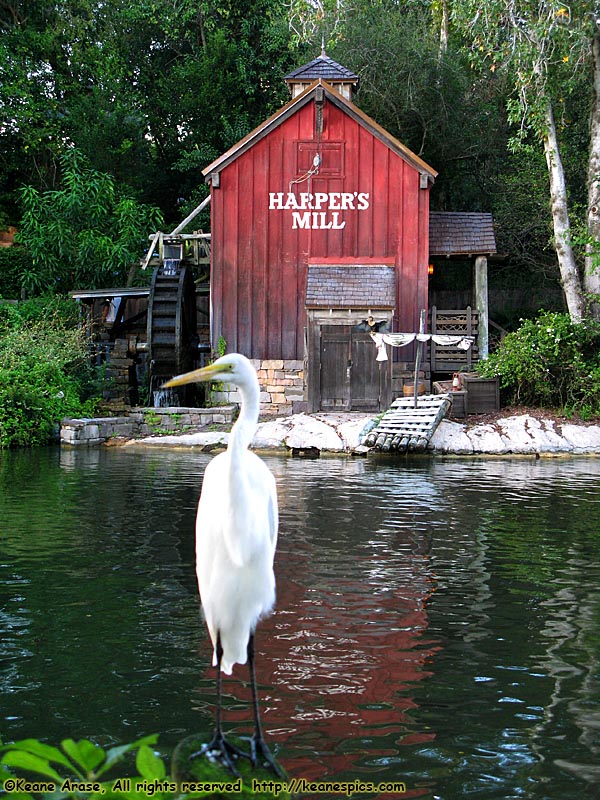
x=260 y=259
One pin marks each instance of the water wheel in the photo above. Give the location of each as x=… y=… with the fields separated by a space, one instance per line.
x=172 y=336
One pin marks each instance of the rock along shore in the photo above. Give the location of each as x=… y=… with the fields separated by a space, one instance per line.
x=522 y=434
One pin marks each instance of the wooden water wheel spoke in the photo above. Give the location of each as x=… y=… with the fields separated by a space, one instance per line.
x=171 y=323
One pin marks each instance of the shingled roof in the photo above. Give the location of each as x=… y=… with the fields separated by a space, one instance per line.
x=461 y=233
x=350 y=286
x=324 y=68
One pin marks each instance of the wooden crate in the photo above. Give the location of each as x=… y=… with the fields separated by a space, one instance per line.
x=458 y=408
x=482 y=394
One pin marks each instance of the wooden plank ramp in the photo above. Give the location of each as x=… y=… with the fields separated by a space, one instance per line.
x=406 y=428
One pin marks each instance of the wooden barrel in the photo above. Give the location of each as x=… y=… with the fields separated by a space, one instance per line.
x=409 y=389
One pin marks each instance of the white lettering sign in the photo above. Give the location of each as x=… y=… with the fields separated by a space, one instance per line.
x=321 y=210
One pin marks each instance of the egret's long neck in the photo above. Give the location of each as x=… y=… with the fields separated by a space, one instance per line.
x=242 y=432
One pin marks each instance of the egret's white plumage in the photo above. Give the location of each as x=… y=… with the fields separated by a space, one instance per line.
x=236 y=529
x=236 y=526
x=236 y=536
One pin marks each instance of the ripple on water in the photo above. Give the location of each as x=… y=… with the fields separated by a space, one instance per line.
x=436 y=620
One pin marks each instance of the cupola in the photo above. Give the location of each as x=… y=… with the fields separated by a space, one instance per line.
x=324 y=68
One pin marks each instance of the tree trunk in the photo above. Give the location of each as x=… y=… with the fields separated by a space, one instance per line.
x=444 y=29
x=591 y=276
x=569 y=274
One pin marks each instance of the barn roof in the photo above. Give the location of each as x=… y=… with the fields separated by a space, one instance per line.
x=298 y=102
x=350 y=286
x=454 y=233
x=324 y=68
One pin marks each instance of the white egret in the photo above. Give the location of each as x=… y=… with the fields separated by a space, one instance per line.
x=236 y=535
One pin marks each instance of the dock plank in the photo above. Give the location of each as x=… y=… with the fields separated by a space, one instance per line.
x=405 y=427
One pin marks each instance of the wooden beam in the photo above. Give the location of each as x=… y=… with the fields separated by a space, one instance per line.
x=482 y=305
x=191 y=216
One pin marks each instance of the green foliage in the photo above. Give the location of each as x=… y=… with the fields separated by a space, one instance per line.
x=86 y=233
x=152 y=91
x=541 y=47
x=75 y=769
x=44 y=374
x=15 y=264
x=550 y=362
x=520 y=207
x=136 y=87
x=432 y=101
x=75 y=763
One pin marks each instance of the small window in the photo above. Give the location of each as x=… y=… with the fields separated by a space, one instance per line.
x=332 y=158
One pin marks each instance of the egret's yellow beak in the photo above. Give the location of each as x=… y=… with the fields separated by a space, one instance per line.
x=196 y=376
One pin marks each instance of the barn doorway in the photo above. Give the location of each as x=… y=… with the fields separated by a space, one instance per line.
x=343 y=373
x=351 y=379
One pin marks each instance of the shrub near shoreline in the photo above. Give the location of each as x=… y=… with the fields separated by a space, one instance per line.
x=44 y=374
x=550 y=362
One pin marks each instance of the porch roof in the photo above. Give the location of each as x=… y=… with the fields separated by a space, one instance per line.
x=453 y=233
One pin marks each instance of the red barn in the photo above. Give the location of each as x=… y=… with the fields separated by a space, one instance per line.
x=320 y=219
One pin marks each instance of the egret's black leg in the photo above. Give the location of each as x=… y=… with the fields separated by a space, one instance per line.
x=258 y=746
x=219 y=746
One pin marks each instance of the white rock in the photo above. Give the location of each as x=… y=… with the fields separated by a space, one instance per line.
x=340 y=432
x=516 y=435
x=583 y=439
x=350 y=432
x=348 y=427
x=486 y=439
x=309 y=431
x=202 y=439
x=451 y=437
x=272 y=433
x=542 y=435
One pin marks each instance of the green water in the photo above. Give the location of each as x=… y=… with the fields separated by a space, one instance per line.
x=437 y=622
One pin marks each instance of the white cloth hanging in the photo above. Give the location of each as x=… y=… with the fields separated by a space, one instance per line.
x=380 y=345
x=402 y=339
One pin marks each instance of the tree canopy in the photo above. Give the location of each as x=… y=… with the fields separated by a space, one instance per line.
x=493 y=94
x=149 y=90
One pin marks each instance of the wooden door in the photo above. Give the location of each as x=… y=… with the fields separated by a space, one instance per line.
x=365 y=378
x=351 y=379
x=335 y=367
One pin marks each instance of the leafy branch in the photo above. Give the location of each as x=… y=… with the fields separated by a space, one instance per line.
x=77 y=764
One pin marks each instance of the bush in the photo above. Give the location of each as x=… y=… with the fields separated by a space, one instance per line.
x=44 y=374
x=550 y=362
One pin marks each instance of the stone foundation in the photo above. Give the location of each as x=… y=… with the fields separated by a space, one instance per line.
x=141 y=422
x=403 y=374
x=282 y=388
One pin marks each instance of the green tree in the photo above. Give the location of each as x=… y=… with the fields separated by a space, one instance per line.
x=86 y=233
x=430 y=99
x=541 y=47
x=317 y=21
x=149 y=91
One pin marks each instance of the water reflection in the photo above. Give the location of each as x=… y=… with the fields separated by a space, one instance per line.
x=437 y=620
